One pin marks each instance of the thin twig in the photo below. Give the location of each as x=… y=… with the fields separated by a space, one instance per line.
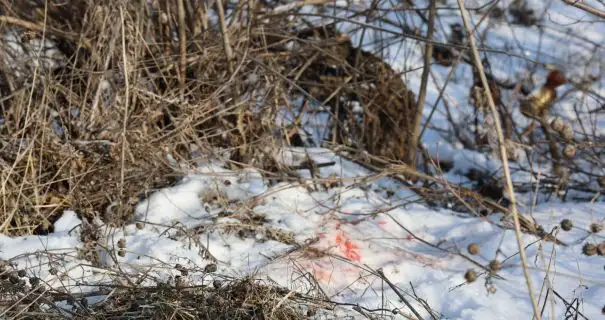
x=428 y=55
x=399 y=294
x=183 y=48
x=504 y=157
x=226 y=42
x=126 y=101
x=585 y=7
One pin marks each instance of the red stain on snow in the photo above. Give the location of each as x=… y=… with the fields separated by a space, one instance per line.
x=348 y=247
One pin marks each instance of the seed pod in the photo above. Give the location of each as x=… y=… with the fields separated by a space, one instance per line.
x=53 y=271
x=495 y=265
x=122 y=243
x=557 y=124
x=473 y=248
x=567 y=131
x=34 y=281
x=209 y=268
x=122 y=253
x=21 y=273
x=470 y=276
x=596 y=227
x=163 y=18
x=569 y=151
x=566 y=224
x=217 y=284
x=140 y=225
x=589 y=249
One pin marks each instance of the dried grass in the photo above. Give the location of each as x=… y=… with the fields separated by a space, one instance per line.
x=122 y=102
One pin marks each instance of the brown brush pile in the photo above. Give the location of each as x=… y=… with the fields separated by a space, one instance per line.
x=127 y=93
x=28 y=298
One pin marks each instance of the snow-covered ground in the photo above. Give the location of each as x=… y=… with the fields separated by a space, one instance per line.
x=346 y=233
x=330 y=239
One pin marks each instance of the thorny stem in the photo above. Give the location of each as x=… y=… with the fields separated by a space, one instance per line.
x=504 y=157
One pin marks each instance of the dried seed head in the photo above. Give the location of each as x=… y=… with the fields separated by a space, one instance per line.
x=217 y=284
x=122 y=243
x=589 y=249
x=84 y=302
x=140 y=225
x=34 y=281
x=596 y=227
x=209 y=268
x=122 y=253
x=13 y=278
x=569 y=151
x=567 y=131
x=53 y=271
x=566 y=224
x=473 y=248
x=470 y=276
x=557 y=124
x=21 y=273
x=163 y=18
x=601 y=249
x=495 y=265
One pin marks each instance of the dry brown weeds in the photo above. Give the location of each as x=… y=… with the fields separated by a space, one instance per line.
x=137 y=90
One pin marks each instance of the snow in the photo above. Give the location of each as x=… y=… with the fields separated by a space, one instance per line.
x=347 y=232
x=350 y=230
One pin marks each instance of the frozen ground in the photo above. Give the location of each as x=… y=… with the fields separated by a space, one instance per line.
x=347 y=232
x=330 y=241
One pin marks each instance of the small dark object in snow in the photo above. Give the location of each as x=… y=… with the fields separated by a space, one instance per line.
x=566 y=224
x=601 y=249
x=596 y=227
x=21 y=273
x=217 y=284
x=589 y=249
x=603 y=310
x=122 y=243
x=470 y=276
x=473 y=248
x=34 y=281
x=121 y=253
x=209 y=268
x=140 y=225
x=53 y=271
x=13 y=279
x=227 y=183
x=390 y=193
x=495 y=265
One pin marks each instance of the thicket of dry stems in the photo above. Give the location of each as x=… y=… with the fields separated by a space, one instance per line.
x=133 y=94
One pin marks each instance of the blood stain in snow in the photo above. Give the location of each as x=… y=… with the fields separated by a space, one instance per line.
x=348 y=247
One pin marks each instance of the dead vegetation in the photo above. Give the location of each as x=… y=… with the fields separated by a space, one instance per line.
x=28 y=298
x=125 y=100
x=105 y=101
